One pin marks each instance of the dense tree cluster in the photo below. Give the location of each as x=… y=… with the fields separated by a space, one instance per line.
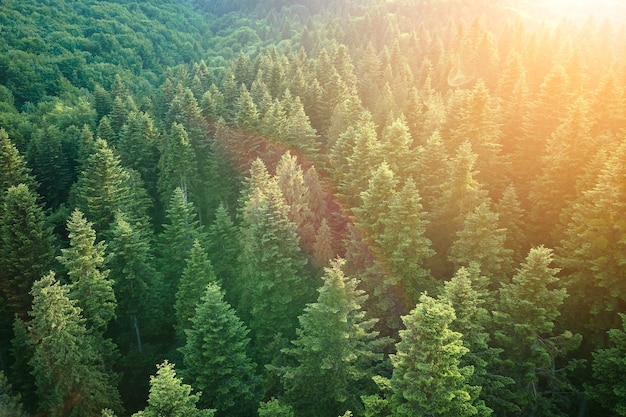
x=356 y=208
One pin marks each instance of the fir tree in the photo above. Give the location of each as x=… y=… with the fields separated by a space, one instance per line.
x=67 y=364
x=334 y=352
x=169 y=396
x=427 y=377
x=26 y=248
x=215 y=357
x=198 y=273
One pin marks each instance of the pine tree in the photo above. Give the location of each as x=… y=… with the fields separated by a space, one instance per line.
x=169 y=396
x=246 y=113
x=178 y=166
x=467 y=293
x=525 y=320
x=198 y=273
x=13 y=169
x=483 y=242
x=223 y=248
x=102 y=188
x=334 y=352
x=26 y=248
x=403 y=244
x=178 y=237
x=275 y=283
x=10 y=403
x=216 y=359
x=608 y=386
x=134 y=277
x=66 y=363
x=427 y=377
x=90 y=285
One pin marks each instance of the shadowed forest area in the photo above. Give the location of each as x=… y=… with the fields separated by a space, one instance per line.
x=361 y=208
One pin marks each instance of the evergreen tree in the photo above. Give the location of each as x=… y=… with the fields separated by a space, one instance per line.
x=10 y=403
x=467 y=293
x=525 y=318
x=67 y=364
x=275 y=282
x=169 y=396
x=216 y=359
x=483 y=242
x=13 y=169
x=102 y=188
x=178 y=166
x=427 y=377
x=223 y=248
x=134 y=277
x=246 y=113
x=198 y=273
x=334 y=352
x=608 y=386
x=90 y=285
x=26 y=249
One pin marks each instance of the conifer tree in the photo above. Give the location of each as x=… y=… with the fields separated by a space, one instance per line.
x=483 y=242
x=334 y=352
x=427 y=377
x=223 y=248
x=67 y=363
x=198 y=273
x=177 y=165
x=102 y=188
x=608 y=385
x=215 y=357
x=90 y=285
x=13 y=169
x=10 y=403
x=134 y=277
x=246 y=113
x=169 y=396
x=177 y=237
x=275 y=282
x=525 y=317
x=468 y=294
x=26 y=247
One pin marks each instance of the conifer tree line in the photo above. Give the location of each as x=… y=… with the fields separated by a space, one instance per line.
x=317 y=209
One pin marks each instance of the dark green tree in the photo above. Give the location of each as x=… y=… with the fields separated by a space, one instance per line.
x=215 y=357
x=26 y=249
x=13 y=169
x=102 y=188
x=10 y=403
x=198 y=273
x=534 y=356
x=609 y=365
x=90 y=285
x=334 y=352
x=223 y=248
x=67 y=363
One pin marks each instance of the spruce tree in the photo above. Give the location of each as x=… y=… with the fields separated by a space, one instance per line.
x=26 y=248
x=67 y=363
x=13 y=169
x=89 y=282
x=334 y=352
x=215 y=357
x=198 y=273
x=102 y=188
x=427 y=377
x=169 y=396
x=223 y=248
x=534 y=356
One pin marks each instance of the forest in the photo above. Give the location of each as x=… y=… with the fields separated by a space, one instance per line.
x=283 y=208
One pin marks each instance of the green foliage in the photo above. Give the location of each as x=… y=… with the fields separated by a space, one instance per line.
x=67 y=363
x=216 y=359
x=10 y=403
x=198 y=273
x=27 y=247
x=169 y=396
x=89 y=282
x=427 y=377
x=334 y=351
x=608 y=365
